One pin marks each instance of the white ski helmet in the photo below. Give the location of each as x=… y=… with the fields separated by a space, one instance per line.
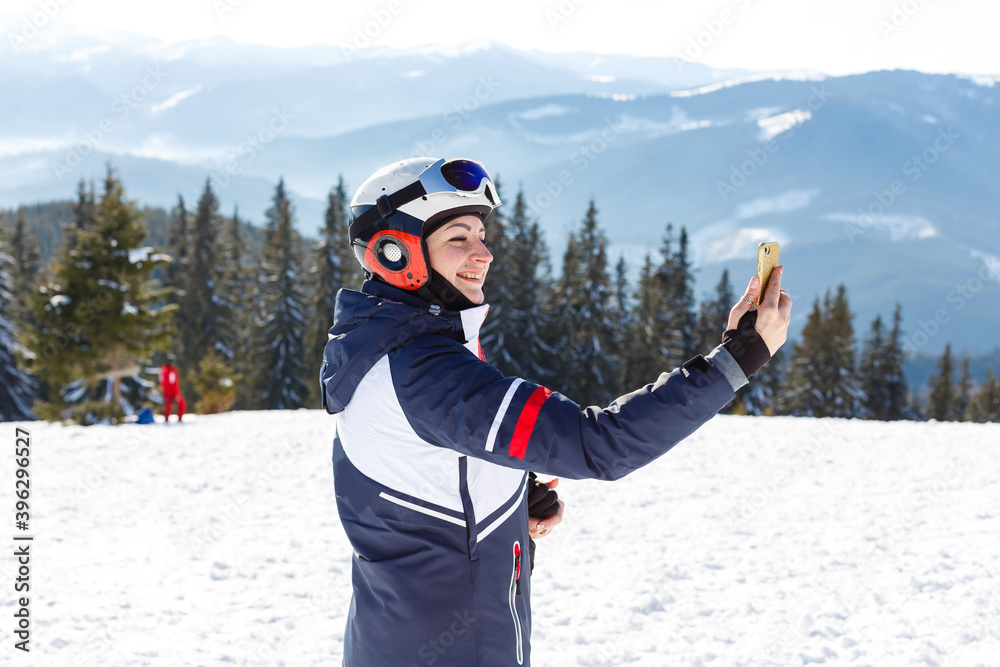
x=401 y=204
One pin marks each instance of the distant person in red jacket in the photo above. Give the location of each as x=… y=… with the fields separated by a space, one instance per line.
x=171 y=389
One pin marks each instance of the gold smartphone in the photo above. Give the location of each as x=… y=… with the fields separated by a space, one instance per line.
x=767 y=260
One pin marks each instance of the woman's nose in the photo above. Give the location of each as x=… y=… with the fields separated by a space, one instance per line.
x=481 y=253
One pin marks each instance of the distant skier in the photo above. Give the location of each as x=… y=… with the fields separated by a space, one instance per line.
x=171 y=389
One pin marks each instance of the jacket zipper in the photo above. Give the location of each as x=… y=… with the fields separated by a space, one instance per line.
x=515 y=590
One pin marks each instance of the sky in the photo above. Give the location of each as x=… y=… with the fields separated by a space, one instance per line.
x=835 y=38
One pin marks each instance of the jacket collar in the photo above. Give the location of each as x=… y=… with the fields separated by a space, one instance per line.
x=471 y=318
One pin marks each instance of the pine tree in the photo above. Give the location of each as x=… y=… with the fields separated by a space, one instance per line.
x=17 y=389
x=231 y=289
x=281 y=345
x=201 y=312
x=24 y=251
x=664 y=323
x=839 y=375
x=85 y=208
x=22 y=248
x=822 y=378
x=644 y=354
x=663 y=327
x=678 y=278
x=557 y=334
x=963 y=395
x=941 y=402
x=804 y=393
x=675 y=318
x=516 y=344
x=622 y=299
x=334 y=267
x=237 y=295
x=84 y=214
x=622 y=333
x=883 y=384
x=100 y=317
x=590 y=366
x=177 y=248
x=985 y=403
x=874 y=380
x=893 y=358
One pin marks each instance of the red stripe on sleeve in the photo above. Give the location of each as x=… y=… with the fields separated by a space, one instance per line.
x=526 y=422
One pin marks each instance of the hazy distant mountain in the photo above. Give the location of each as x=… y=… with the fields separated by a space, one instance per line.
x=205 y=97
x=812 y=164
x=809 y=161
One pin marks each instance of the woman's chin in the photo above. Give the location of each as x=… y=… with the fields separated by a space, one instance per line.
x=475 y=296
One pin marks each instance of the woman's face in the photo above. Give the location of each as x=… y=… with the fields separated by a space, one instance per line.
x=458 y=252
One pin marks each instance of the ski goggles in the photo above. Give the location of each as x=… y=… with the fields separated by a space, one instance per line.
x=465 y=178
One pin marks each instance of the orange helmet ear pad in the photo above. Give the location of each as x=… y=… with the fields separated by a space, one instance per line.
x=398 y=258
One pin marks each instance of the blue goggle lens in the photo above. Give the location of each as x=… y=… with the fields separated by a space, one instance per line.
x=464 y=175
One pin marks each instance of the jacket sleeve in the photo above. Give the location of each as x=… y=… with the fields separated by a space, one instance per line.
x=454 y=400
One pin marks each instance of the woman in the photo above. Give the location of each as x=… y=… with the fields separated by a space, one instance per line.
x=433 y=445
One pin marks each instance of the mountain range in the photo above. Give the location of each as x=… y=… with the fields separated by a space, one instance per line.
x=885 y=181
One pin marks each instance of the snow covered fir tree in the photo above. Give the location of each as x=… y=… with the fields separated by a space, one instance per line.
x=883 y=384
x=100 y=315
x=584 y=323
x=235 y=289
x=201 y=315
x=95 y=290
x=16 y=387
x=205 y=276
x=280 y=342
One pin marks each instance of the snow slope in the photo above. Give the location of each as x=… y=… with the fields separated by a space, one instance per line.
x=781 y=541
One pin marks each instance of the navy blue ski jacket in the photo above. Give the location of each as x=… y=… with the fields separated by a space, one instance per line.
x=430 y=457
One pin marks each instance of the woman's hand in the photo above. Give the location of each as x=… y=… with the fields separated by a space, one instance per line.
x=774 y=314
x=539 y=528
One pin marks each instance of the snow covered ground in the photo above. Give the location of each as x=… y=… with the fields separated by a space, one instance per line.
x=780 y=541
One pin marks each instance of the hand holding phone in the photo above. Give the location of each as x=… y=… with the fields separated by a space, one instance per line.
x=774 y=313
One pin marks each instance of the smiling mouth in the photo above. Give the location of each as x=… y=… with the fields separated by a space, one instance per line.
x=477 y=277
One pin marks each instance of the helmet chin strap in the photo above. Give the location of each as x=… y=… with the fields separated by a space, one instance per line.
x=439 y=291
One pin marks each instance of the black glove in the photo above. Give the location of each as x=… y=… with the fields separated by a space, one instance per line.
x=745 y=344
x=543 y=502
